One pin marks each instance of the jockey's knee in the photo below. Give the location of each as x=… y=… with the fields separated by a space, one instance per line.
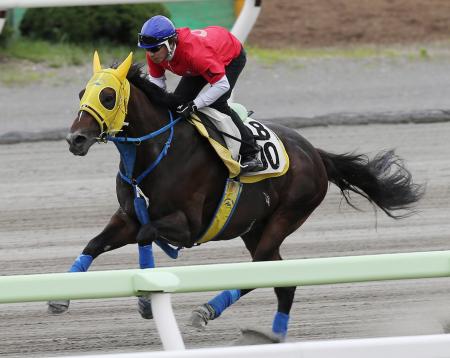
x=146 y=235
x=222 y=107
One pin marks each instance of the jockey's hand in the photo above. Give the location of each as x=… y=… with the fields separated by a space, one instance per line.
x=185 y=110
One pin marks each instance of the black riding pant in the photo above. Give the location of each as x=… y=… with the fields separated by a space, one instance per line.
x=190 y=86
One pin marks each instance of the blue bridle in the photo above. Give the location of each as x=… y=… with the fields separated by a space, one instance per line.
x=127 y=150
x=128 y=153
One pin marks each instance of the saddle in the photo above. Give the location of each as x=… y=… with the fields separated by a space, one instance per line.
x=210 y=122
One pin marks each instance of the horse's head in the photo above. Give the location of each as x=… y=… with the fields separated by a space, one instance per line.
x=103 y=106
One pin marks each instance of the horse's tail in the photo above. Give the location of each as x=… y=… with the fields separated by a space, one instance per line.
x=384 y=180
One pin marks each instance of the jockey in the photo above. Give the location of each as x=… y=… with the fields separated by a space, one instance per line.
x=208 y=56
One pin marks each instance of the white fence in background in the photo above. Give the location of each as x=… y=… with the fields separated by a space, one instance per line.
x=241 y=28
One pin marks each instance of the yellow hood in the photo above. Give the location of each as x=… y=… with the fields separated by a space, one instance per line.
x=110 y=120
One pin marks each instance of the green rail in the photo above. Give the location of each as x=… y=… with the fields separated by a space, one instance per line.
x=319 y=271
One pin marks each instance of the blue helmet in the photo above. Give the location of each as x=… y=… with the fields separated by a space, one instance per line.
x=155 y=31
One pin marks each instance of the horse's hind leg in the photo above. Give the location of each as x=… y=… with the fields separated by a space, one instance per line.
x=285 y=297
x=120 y=231
x=282 y=224
x=262 y=248
x=212 y=309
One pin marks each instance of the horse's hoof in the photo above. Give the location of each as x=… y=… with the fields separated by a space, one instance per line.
x=201 y=315
x=58 y=307
x=253 y=336
x=145 y=307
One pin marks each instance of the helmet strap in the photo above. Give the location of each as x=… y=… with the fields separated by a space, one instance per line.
x=170 y=49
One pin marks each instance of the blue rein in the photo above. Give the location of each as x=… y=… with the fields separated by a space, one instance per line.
x=128 y=157
x=127 y=150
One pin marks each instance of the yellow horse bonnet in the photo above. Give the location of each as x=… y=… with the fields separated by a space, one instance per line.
x=110 y=120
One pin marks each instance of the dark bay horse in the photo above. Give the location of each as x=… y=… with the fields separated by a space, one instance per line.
x=185 y=185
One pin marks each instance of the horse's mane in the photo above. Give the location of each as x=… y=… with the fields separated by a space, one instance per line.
x=137 y=75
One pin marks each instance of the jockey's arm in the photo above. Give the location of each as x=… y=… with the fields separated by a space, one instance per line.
x=159 y=81
x=216 y=90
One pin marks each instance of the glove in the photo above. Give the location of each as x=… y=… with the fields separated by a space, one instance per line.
x=185 y=110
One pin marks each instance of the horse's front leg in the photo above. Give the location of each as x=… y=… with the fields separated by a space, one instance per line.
x=120 y=231
x=173 y=227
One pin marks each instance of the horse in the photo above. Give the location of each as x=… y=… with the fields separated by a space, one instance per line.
x=181 y=179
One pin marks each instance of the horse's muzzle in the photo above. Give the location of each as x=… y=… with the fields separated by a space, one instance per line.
x=79 y=143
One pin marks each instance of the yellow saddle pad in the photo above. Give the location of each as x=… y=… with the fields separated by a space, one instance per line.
x=273 y=154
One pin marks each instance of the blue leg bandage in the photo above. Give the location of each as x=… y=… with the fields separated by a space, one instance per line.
x=280 y=324
x=224 y=300
x=140 y=207
x=81 y=263
x=146 y=259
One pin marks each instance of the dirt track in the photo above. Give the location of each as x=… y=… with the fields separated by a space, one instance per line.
x=52 y=203
x=318 y=23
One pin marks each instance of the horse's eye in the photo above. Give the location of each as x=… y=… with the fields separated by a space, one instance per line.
x=108 y=98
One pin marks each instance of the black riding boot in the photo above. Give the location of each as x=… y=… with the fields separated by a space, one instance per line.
x=249 y=148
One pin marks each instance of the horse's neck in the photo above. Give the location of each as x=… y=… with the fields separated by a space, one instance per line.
x=145 y=118
x=189 y=158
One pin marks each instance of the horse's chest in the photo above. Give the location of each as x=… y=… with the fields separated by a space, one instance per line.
x=158 y=205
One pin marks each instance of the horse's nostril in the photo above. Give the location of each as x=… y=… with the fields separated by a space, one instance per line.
x=79 y=139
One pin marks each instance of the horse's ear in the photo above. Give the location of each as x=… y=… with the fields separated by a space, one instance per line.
x=124 y=67
x=96 y=66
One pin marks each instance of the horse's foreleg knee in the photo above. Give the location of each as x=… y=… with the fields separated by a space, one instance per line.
x=120 y=231
x=146 y=235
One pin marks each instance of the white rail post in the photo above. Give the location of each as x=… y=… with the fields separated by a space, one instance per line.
x=166 y=323
x=246 y=19
x=2 y=19
x=245 y=22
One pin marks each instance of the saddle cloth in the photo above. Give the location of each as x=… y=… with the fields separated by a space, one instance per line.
x=273 y=154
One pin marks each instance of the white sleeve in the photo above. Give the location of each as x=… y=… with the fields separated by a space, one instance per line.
x=159 y=81
x=212 y=93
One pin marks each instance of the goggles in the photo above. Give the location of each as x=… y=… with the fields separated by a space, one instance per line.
x=144 y=40
x=150 y=41
x=156 y=48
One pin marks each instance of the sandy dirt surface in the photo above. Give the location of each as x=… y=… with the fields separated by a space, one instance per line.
x=52 y=203
x=318 y=23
